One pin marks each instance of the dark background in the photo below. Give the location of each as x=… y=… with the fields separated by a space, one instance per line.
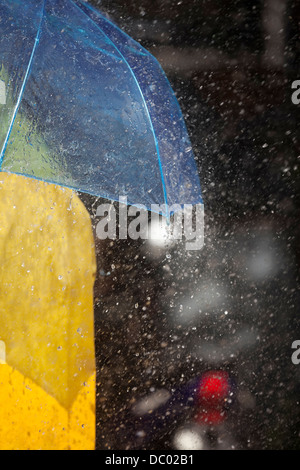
x=231 y=65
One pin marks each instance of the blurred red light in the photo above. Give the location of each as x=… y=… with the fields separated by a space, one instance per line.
x=212 y=393
x=211 y=417
x=214 y=386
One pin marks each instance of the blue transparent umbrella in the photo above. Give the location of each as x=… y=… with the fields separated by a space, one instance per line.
x=85 y=106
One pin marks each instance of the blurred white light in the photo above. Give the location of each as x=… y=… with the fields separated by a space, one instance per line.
x=160 y=233
x=262 y=264
x=264 y=259
x=151 y=402
x=216 y=351
x=210 y=297
x=188 y=439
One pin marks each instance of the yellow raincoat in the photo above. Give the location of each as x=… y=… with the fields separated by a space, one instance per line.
x=47 y=363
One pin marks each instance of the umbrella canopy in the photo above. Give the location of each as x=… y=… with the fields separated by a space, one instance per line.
x=85 y=106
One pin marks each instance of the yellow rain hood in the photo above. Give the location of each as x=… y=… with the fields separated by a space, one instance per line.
x=47 y=358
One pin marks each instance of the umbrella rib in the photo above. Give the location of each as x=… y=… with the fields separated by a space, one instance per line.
x=145 y=104
x=27 y=73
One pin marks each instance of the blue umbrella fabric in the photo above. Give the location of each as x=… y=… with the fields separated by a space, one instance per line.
x=83 y=105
